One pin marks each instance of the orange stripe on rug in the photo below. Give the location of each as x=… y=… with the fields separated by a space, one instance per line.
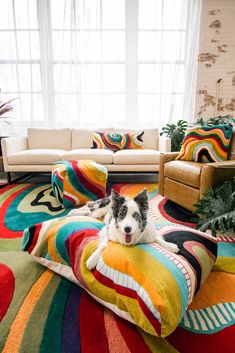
x=18 y=326
x=116 y=342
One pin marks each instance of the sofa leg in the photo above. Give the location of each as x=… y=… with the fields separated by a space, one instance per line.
x=9 y=178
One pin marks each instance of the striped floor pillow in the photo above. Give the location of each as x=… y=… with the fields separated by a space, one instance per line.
x=144 y=284
x=76 y=182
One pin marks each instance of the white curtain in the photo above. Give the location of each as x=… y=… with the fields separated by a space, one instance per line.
x=95 y=63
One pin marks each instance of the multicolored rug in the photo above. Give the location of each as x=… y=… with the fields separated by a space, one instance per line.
x=43 y=312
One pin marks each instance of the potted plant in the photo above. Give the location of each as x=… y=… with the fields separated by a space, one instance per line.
x=5 y=108
x=176 y=132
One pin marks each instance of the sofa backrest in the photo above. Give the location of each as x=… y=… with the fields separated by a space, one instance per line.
x=150 y=137
x=83 y=138
x=49 y=138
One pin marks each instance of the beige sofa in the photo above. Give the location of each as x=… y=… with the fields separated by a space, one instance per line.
x=41 y=147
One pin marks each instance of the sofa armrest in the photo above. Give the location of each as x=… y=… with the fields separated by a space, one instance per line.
x=164 y=144
x=213 y=174
x=11 y=145
x=164 y=158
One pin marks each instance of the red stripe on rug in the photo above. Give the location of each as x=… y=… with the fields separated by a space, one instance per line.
x=132 y=336
x=222 y=341
x=131 y=294
x=92 y=328
x=171 y=219
x=5 y=232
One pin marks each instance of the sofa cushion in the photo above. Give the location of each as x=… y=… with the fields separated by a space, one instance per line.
x=185 y=172
x=101 y=156
x=150 y=137
x=136 y=157
x=49 y=138
x=83 y=138
x=35 y=156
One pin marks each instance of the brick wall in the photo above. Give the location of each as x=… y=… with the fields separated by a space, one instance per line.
x=216 y=59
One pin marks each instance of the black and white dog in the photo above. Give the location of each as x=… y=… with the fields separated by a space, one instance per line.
x=126 y=222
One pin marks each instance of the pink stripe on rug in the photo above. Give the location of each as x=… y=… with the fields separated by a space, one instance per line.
x=116 y=342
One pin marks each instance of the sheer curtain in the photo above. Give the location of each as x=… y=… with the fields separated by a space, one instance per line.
x=99 y=62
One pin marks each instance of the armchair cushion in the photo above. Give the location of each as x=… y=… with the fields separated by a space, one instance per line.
x=206 y=144
x=185 y=172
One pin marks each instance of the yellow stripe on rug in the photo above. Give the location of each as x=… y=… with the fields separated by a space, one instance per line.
x=18 y=326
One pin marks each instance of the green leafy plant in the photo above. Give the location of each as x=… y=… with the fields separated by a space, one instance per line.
x=216 y=210
x=176 y=133
x=218 y=120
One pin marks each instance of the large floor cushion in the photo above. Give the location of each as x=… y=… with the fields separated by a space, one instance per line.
x=144 y=284
x=75 y=182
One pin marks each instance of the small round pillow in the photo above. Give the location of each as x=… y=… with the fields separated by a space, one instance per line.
x=76 y=182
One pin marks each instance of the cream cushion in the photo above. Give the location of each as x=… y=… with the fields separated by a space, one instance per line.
x=35 y=156
x=83 y=138
x=136 y=157
x=49 y=138
x=102 y=156
x=150 y=137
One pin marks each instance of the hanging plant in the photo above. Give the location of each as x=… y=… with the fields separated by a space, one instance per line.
x=176 y=133
x=216 y=210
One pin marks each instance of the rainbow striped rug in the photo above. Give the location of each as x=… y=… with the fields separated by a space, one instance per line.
x=43 y=312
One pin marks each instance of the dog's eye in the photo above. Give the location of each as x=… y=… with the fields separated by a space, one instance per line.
x=136 y=216
x=122 y=213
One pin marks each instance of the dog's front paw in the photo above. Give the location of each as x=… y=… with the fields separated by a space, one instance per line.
x=174 y=248
x=78 y=212
x=92 y=262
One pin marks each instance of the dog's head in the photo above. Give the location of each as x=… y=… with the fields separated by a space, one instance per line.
x=130 y=216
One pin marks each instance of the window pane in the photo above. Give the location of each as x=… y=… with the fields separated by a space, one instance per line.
x=114 y=45
x=149 y=45
x=66 y=107
x=7 y=46
x=173 y=78
x=146 y=108
x=8 y=81
x=174 y=15
x=150 y=14
x=31 y=107
x=114 y=78
x=28 y=45
x=67 y=78
x=149 y=78
x=6 y=15
x=29 y=77
x=113 y=14
x=114 y=108
x=91 y=108
x=26 y=14
x=173 y=45
x=76 y=46
x=86 y=14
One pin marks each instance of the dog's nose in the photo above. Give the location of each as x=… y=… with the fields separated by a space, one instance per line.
x=127 y=229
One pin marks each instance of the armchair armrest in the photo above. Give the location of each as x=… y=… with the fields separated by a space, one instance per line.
x=213 y=174
x=164 y=144
x=164 y=158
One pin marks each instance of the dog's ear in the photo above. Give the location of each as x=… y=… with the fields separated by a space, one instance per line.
x=116 y=202
x=142 y=200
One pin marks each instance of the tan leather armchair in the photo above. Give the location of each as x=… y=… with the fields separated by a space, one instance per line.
x=185 y=182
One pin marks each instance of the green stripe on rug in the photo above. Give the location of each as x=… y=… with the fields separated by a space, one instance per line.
x=51 y=341
x=33 y=334
x=13 y=244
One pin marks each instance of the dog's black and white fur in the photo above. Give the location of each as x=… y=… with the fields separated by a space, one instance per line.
x=126 y=222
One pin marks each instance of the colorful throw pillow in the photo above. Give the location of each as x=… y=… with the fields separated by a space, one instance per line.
x=76 y=182
x=118 y=141
x=206 y=144
x=144 y=284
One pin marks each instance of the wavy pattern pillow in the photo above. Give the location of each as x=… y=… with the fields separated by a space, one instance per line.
x=206 y=144
x=144 y=284
x=118 y=141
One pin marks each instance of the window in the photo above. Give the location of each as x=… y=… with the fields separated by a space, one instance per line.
x=94 y=62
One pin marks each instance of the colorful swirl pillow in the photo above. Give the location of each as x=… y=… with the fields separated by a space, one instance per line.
x=206 y=144
x=144 y=284
x=118 y=141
